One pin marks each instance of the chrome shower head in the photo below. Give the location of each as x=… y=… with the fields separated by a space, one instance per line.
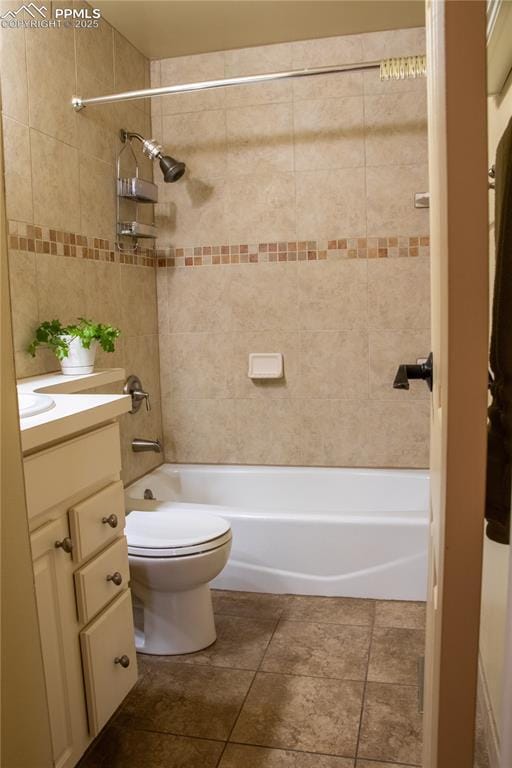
x=172 y=169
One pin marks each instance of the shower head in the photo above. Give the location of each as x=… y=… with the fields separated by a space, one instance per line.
x=172 y=169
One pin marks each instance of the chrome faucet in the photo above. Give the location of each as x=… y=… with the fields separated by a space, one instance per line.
x=133 y=387
x=140 y=445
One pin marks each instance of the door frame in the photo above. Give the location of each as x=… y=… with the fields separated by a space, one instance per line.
x=457 y=101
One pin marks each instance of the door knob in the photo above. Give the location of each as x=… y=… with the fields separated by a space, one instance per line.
x=124 y=661
x=418 y=371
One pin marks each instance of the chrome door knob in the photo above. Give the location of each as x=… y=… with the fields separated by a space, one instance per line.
x=110 y=520
x=66 y=544
x=116 y=578
x=124 y=661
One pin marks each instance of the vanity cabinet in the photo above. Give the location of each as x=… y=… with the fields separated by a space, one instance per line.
x=75 y=505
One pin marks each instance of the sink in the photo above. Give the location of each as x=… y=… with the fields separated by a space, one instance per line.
x=32 y=404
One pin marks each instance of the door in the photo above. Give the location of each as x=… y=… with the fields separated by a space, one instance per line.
x=458 y=219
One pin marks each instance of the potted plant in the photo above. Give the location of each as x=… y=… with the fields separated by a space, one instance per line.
x=75 y=345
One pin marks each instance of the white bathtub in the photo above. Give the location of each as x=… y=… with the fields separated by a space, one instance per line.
x=309 y=531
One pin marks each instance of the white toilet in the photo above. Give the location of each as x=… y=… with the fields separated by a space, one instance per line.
x=174 y=553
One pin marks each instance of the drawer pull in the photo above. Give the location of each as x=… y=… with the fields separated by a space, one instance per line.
x=110 y=520
x=66 y=544
x=124 y=661
x=116 y=578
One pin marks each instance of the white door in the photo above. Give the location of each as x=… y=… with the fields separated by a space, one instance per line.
x=458 y=193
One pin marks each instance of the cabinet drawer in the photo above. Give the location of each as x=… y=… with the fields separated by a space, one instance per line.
x=53 y=475
x=98 y=582
x=108 y=638
x=88 y=531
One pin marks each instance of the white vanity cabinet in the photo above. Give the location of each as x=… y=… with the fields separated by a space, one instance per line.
x=75 y=505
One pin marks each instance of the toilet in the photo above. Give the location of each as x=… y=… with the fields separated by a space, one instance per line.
x=174 y=553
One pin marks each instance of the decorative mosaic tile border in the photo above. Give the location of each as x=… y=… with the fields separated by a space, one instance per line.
x=34 y=239
x=393 y=246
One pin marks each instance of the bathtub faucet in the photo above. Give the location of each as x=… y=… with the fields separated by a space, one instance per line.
x=139 y=445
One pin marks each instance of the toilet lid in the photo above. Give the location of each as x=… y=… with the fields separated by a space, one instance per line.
x=161 y=533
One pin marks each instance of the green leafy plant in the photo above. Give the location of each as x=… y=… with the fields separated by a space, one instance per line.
x=55 y=336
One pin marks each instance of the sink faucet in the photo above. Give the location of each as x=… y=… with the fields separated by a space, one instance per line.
x=140 y=444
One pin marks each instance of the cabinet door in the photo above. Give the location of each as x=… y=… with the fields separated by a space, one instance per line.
x=96 y=521
x=53 y=575
x=102 y=579
x=110 y=661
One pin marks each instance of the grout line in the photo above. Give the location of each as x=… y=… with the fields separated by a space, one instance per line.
x=247 y=694
x=130 y=726
x=379 y=762
x=276 y=625
x=294 y=750
x=237 y=717
x=288 y=674
x=297 y=621
x=363 y=698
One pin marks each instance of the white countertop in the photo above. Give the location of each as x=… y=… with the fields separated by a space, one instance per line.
x=74 y=411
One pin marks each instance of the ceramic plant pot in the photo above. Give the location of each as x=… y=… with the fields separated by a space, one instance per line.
x=79 y=360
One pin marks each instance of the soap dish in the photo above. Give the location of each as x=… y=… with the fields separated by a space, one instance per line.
x=265 y=365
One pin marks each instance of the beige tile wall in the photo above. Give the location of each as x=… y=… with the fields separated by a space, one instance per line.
x=60 y=173
x=340 y=156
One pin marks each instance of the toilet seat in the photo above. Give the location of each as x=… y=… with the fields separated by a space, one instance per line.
x=174 y=533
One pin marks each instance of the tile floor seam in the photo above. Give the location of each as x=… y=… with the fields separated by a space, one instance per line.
x=292 y=749
x=130 y=727
x=241 y=706
x=216 y=666
x=247 y=695
x=217 y=764
x=252 y=616
x=329 y=623
x=363 y=698
x=379 y=762
x=278 y=621
x=313 y=677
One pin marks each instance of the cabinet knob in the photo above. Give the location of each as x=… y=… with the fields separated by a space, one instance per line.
x=110 y=520
x=66 y=544
x=116 y=578
x=124 y=661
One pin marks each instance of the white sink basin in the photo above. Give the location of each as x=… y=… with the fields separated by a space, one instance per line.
x=32 y=404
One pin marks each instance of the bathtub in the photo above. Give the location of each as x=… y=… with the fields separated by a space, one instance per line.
x=308 y=531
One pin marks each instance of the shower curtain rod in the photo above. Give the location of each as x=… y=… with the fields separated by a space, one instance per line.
x=401 y=68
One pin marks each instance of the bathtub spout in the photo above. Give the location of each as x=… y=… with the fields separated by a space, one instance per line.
x=139 y=445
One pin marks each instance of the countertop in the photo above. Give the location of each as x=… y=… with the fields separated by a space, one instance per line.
x=74 y=411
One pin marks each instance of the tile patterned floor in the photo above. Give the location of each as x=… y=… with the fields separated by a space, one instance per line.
x=292 y=682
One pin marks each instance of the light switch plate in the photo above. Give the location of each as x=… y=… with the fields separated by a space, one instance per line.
x=265 y=365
